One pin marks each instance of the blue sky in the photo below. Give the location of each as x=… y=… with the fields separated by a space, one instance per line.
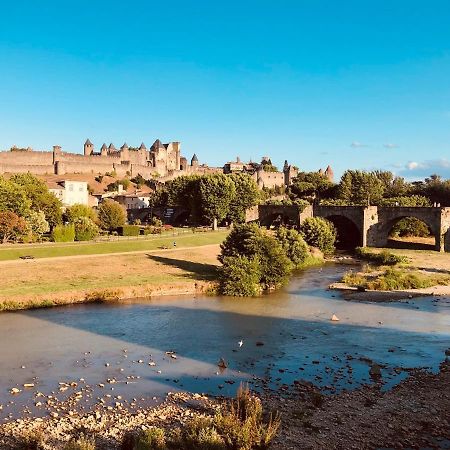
x=357 y=84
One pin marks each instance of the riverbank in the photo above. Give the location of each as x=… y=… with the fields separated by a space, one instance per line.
x=414 y=413
x=187 y=269
x=429 y=268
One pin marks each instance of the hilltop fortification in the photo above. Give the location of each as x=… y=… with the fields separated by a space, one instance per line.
x=163 y=160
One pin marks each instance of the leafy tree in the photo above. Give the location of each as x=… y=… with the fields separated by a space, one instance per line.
x=111 y=215
x=243 y=240
x=37 y=224
x=274 y=263
x=85 y=229
x=267 y=166
x=240 y=276
x=410 y=200
x=249 y=241
x=310 y=185
x=13 y=198
x=410 y=226
x=79 y=210
x=392 y=186
x=41 y=198
x=246 y=195
x=12 y=226
x=293 y=245
x=319 y=232
x=216 y=193
x=360 y=188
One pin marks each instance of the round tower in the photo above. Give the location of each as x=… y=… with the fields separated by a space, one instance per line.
x=88 y=148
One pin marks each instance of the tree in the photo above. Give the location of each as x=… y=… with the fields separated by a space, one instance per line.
x=246 y=195
x=13 y=198
x=41 y=198
x=85 y=229
x=293 y=244
x=37 y=224
x=240 y=276
x=111 y=215
x=249 y=241
x=78 y=210
x=311 y=185
x=216 y=193
x=319 y=232
x=410 y=200
x=360 y=188
x=12 y=226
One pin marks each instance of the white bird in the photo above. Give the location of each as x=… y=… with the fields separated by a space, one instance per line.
x=241 y=343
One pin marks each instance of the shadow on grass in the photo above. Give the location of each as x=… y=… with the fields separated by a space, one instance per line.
x=198 y=271
x=409 y=245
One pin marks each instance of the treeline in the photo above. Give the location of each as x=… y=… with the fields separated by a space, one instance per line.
x=381 y=188
x=210 y=199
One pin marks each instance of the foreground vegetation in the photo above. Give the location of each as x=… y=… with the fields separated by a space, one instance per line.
x=238 y=424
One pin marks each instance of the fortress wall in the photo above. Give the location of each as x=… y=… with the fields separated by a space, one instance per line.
x=89 y=160
x=138 y=157
x=19 y=158
x=23 y=168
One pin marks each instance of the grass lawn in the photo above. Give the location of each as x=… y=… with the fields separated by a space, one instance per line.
x=102 y=248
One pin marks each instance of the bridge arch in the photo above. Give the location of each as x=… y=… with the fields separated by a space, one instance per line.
x=349 y=236
x=389 y=217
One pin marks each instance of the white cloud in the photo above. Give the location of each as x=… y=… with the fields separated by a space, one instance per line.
x=412 y=165
x=420 y=170
x=390 y=145
x=356 y=144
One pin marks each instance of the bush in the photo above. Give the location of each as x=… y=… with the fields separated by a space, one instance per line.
x=249 y=241
x=152 y=439
x=63 y=233
x=152 y=230
x=80 y=444
x=240 y=276
x=130 y=230
x=85 y=229
x=384 y=258
x=111 y=215
x=320 y=233
x=12 y=227
x=293 y=245
x=156 y=222
x=78 y=210
x=410 y=226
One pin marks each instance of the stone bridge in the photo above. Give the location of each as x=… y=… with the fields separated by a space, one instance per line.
x=364 y=226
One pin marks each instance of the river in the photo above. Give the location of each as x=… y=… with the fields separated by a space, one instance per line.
x=286 y=336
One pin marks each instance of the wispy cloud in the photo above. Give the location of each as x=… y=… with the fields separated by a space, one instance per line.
x=390 y=145
x=421 y=169
x=356 y=144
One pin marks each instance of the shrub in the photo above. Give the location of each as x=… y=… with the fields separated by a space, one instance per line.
x=151 y=439
x=248 y=240
x=130 y=230
x=111 y=215
x=320 y=233
x=293 y=245
x=37 y=224
x=240 y=276
x=12 y=227
x=81 y=443
x=152 y=230
x=78 y=210
x=85 y=229
x=63 y=233
x=410 y=226
x=384 y=258
x=156 y=222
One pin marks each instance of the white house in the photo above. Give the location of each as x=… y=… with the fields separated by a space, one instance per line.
x=134 y=201
x=70 y=192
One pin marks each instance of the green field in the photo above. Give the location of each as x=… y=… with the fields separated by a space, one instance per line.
x=102 y=248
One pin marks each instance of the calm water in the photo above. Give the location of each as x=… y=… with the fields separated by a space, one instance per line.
x=97 y=342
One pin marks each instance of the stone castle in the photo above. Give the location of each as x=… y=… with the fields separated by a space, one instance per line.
x=162 y=160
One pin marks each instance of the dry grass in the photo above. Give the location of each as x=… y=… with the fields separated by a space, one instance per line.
x=75 y=279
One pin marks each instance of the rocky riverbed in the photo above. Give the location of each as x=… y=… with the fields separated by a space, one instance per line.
x=414 y=414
